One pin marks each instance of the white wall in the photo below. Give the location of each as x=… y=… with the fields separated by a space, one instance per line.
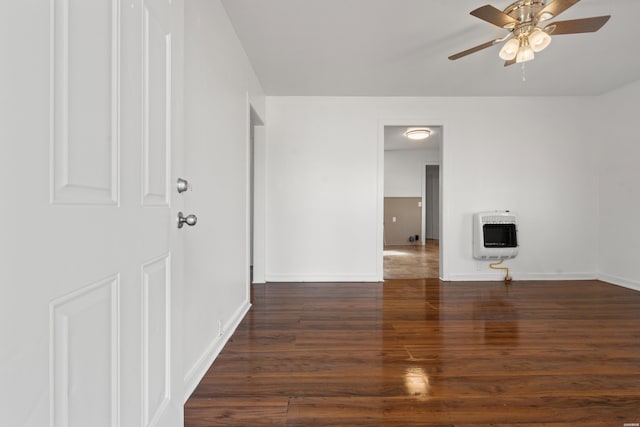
x=619 y=183
x=404 y=171
x=219 y=84
x=531 y=155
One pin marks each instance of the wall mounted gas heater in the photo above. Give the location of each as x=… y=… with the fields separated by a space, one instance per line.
x=495 y=235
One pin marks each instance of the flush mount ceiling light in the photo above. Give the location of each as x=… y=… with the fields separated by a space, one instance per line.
x=527 y=33
x=417 y=134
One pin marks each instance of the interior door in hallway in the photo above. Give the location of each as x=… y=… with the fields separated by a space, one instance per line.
x=432 y=202
x=90 y=252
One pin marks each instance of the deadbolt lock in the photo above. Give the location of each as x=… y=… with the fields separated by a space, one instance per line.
x=183 y=185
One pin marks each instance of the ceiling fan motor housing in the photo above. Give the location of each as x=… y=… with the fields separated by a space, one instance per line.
x=524 y=11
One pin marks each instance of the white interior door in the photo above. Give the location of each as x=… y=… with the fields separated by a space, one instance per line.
x=91 y=258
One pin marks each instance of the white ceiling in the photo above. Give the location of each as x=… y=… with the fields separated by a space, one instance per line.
x=394 y=138
x=400 y=48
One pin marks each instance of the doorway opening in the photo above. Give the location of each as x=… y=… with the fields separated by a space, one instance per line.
x=411 y=222
x=256 y=197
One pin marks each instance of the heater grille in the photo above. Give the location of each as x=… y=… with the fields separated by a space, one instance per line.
x=499 y=219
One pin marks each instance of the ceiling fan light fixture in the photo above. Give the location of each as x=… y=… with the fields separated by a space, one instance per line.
x=526 y=22
x=539 y=40
x=509 y=50
x=417 y=134
x=525 y=53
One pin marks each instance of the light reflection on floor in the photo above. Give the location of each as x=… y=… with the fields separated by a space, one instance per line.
x=389 y=252
x=416 y=382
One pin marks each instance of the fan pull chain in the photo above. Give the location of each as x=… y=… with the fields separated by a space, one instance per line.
x=524 y=73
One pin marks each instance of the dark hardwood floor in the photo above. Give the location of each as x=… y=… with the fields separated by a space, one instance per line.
x=427 y=353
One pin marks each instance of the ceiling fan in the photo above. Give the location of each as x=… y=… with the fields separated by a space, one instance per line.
x=529 y=32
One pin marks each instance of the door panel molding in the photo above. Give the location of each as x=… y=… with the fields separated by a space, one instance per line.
x=84 y=356
x=156 y=110
x=85 y=102
x=156 y=337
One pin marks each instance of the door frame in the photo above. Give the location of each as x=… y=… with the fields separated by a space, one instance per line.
x=443 y=223
x=256 y=189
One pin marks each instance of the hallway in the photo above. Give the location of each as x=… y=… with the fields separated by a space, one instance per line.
x=412 y=261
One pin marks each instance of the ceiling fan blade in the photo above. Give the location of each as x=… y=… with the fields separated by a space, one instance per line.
x=556 y=7
x=494 y=16
x=575 y=26
x=511 y=62
x=474 y=49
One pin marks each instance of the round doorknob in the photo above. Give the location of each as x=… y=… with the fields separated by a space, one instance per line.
x=190 y=220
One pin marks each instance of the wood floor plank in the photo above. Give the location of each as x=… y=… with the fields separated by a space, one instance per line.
x=374 y=411
x=229 y=412
x=428 y=353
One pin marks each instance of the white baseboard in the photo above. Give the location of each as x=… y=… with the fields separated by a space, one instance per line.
x=200 y=368
x=321 y=278
x=625 y=283
x=498 y=277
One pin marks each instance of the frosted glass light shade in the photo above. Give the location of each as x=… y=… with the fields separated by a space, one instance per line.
x=417 y=134
x=525 y=53
x=509 y=50
x=538 y=40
